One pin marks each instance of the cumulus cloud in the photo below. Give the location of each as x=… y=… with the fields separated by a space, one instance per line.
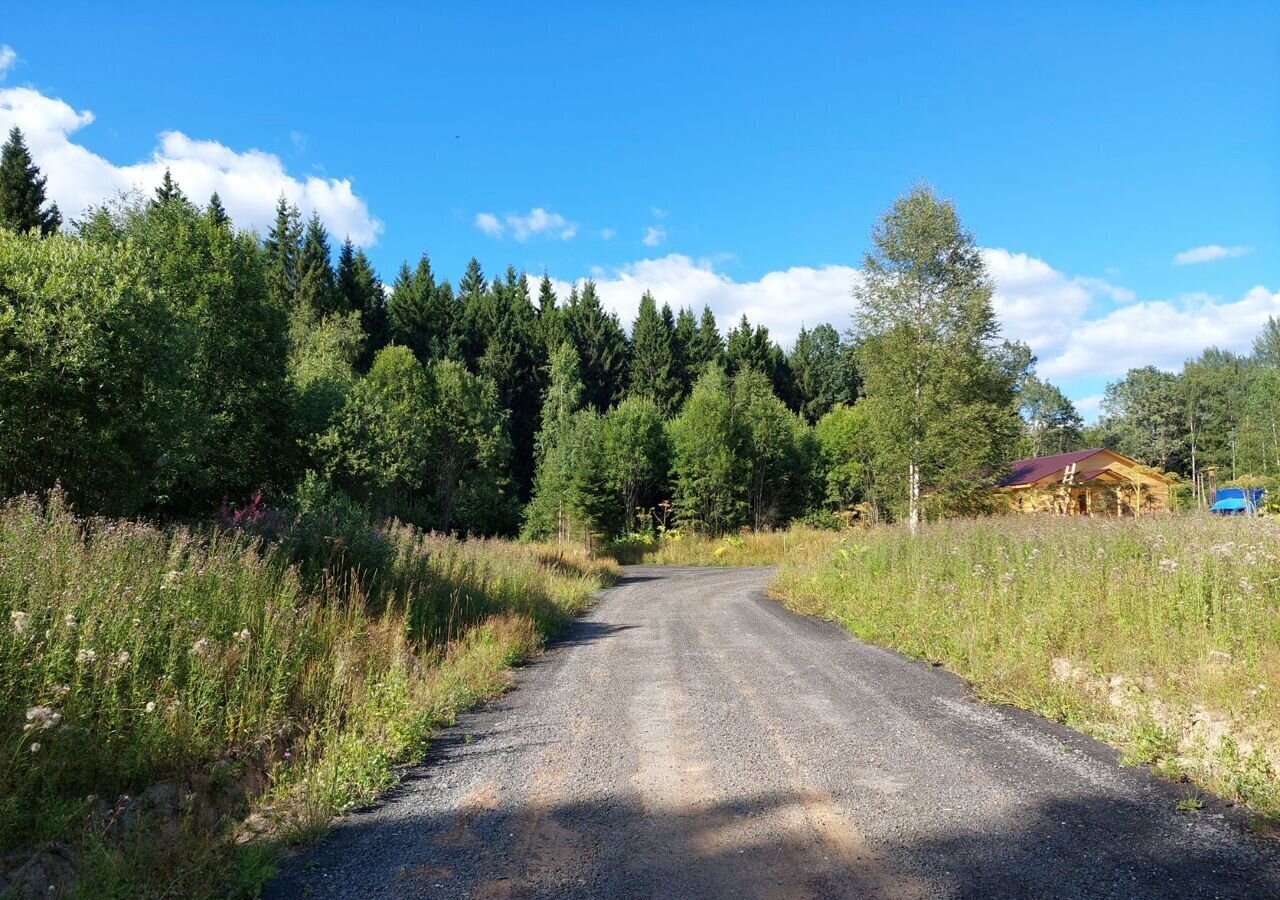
x=7 y=58
x=1207 y=253
x=1082 y=329
x=249 y=182
x=653 y=236
x=782 y=300
x=537 y=223
x=1038 y=304
x=1164 y=333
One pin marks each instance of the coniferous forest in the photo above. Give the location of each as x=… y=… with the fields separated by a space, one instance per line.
x=157 y=361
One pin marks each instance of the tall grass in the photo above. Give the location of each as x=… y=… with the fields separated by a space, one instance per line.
x=1159 y=635
x=197 y=670
x=675 y=547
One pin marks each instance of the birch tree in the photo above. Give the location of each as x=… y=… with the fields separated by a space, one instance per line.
x=942 y=403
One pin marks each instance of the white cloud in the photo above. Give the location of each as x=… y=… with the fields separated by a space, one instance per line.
x=654 y=236
x=608 y=234
x=1208 y=253
x=782 y=300
x=1038 y=304
x=249 y=182
x=658 y=212
x=1160 y=332
x=538 y=223
x=489 y=224
x=7 y=58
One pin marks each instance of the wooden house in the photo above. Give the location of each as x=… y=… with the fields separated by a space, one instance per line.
x=1096 y=482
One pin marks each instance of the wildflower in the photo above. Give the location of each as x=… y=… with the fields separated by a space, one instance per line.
x=18 y=620
x=151 y=706
x=1168 y=565
x=69 y=620
x=200 y=647
x=137 y=622
x=35 y=747
x=86 y=656
x=243 y=635
x=42 y=718
x=170 y=579
x=61 y=690
x=122 y=657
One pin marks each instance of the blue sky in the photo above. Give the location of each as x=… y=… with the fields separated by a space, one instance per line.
x=753 y=146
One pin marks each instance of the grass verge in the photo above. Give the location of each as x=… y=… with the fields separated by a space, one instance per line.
x=750 y=548
x=1159 y=636
x=178 y=704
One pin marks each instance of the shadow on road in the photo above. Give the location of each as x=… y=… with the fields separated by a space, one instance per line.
x=763 y=846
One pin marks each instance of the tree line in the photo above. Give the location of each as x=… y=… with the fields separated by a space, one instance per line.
x=156 y=360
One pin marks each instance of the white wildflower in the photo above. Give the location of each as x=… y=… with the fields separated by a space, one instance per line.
x=35 y=747
x=122 y=657
x=18 y=620
x=42 y=718
x=200 y=647
x=86 y=656
x=1168 y=565
x=243 y=635
x=170 y=580
x=69 y=620
x=151 y=706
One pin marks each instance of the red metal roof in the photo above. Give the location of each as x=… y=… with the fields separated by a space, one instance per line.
x=1028 y=471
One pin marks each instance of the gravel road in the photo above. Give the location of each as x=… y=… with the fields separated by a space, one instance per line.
x=690 y=738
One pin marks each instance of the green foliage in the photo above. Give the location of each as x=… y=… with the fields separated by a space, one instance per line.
x=708 y=487
x=90 y=372
x=824 y=371
x=322 y=364
x=1050 y=421
x=22 y=194
x=940 y=394
x=848 y=447
x=203 y=662
x=601 y=344
x=636 y=456
x=655 y=370
x=1142 y=417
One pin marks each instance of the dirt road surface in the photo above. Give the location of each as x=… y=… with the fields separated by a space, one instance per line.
x=690 y=738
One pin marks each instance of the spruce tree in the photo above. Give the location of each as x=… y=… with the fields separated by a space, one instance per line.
x=282 y=249
x=601 y=344
x=706 y=347
x=216 y=212
x=22 y=192
x=653 y=363
x=317 y=293
x=168 y=191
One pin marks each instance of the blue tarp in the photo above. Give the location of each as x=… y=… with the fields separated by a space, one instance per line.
x=1236 y=501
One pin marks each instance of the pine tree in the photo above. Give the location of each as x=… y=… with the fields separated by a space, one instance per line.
x=282 y=248
x=653 y=364
x=22 y=192
x=216 y=212
x=317 y=291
